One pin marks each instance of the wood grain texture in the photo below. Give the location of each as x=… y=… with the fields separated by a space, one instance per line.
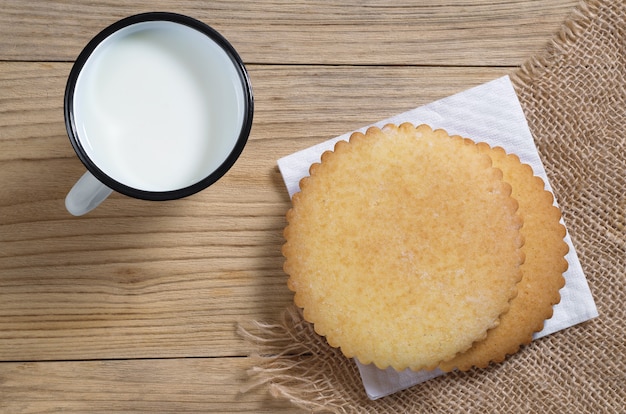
x=444 y=32
x=134 y=307
x=138 y=386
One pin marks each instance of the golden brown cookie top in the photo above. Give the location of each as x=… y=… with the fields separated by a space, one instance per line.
x=403 y=246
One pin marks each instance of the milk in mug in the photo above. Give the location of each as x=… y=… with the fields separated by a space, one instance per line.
x=158 y=106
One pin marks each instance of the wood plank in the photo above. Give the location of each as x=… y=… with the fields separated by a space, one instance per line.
x=445 y=32
x=154 y=386
x=135 y=279
x=295 y=103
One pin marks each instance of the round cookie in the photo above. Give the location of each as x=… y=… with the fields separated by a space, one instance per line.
x=403 y=246
x=542 y=269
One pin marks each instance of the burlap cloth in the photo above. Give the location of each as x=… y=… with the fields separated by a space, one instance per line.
x=574 y=97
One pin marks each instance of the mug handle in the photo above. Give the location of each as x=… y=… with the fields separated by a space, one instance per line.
x=87 y=194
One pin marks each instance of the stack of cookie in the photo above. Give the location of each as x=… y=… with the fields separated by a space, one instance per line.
x=410 y=248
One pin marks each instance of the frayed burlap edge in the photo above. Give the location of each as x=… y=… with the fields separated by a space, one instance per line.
x=580 y=18
x=295 y=362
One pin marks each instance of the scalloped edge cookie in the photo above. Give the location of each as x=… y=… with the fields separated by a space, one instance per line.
x=403 y=246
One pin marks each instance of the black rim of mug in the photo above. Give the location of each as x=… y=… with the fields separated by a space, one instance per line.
x=234 y=154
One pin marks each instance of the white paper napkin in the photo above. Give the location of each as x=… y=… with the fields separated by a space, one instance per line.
x=490 y=113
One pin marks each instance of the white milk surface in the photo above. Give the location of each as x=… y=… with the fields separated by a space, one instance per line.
x=158 y=106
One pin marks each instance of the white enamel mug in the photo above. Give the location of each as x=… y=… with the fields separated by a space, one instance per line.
x=158 y=106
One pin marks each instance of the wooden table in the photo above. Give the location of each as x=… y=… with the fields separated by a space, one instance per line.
x=134 y=307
